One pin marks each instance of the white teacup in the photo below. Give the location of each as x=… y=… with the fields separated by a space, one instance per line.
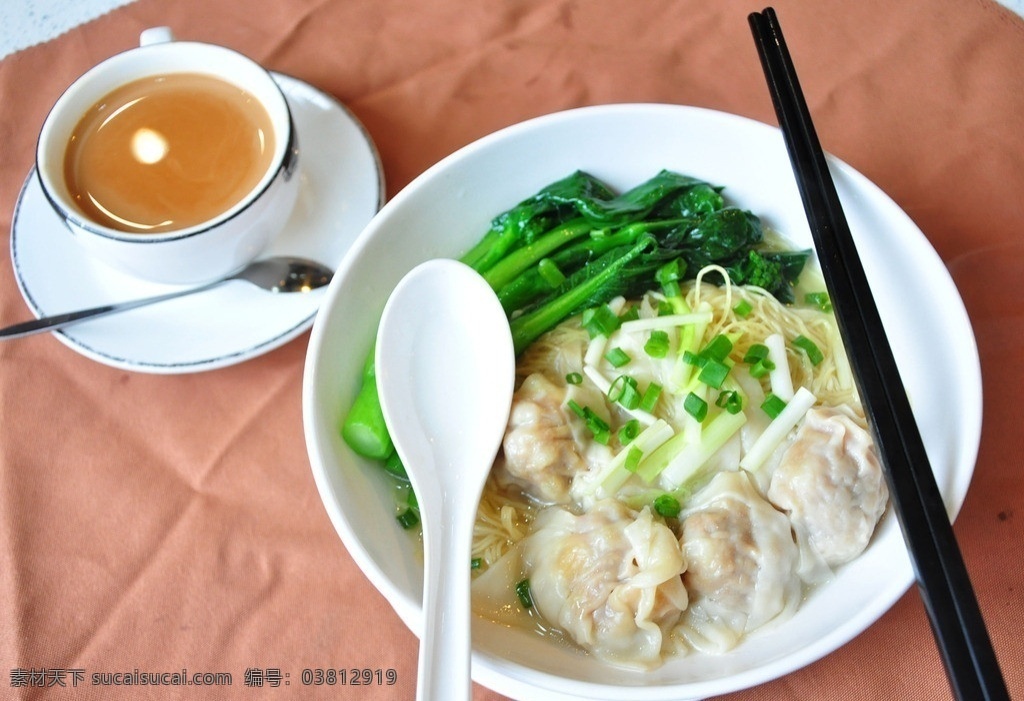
x=219 y=205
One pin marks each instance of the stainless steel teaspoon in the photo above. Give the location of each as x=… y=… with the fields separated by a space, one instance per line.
x=279 y=274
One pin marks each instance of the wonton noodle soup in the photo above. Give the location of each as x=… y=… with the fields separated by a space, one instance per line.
x=675 y=484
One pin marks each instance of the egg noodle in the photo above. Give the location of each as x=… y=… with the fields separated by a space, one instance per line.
x=505 y=515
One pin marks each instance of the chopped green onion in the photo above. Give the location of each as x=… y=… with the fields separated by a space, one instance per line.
x=761 y=368
x=691 y=358
x=574 y=378
x=757 y=358
x=773 y=405
x=624 y=391
x=523 y=592
x=393 y=466
x=809 y=347
x=600 y=321
x=778 y=429
x=629 y=431
x=597 y=426
x=757 y=351
x=617 y=357
x=680 y=459
x=665 y=308
x=731 y=401
x=667 y=506
x=651 y=396
x=657 y=344
x=633 y=458
x=718 y=348
x=408 y=519
x=820 y=300
x=476 y=563
x=743 y=308
x=631 y=314
x=550 y=273
x=695 y=406
x=713 y=373
x=614 y=474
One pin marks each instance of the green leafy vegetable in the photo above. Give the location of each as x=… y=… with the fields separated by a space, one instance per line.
x=364 y=429
x=575 y=245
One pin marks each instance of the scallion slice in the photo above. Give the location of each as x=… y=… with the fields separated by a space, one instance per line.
x=691 y=358
x=600 y=321
x=761 y=368
x=757 y=351
x=731 y=401
x=713 y=373
x=617 y=357
x=393 y=465
x=651 y=395
x=667 y=506
x=523 y=592
x=408 y=519
x=809 y=347
x=633 y=458
x=631 y=314
x=629 y=431
x=718 y=348
x=820 y=300
x=773 y=405
x=624 y=391
x=657 y=344
x=597 y=426
x=743 y=309
x=574 y=378
x=695 y=406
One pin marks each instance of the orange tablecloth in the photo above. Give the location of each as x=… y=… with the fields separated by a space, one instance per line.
x=168 y=522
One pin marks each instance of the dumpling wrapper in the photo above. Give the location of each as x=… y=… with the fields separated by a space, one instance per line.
x=610 y=578
x=741 y=564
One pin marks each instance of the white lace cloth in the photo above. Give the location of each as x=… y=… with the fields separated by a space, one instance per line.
x=25 y=23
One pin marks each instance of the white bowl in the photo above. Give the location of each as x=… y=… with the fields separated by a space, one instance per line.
x=449 y=207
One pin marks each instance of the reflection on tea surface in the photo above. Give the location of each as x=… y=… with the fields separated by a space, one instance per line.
x=167 y=152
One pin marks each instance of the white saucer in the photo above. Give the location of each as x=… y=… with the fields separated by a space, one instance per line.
x=342 y=188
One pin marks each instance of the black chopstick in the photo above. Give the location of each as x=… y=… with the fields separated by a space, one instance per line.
x=945 y=587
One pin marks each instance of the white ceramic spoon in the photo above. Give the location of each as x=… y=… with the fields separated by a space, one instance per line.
x=445 y=372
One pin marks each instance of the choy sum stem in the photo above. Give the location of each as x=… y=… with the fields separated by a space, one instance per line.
x=605 y=245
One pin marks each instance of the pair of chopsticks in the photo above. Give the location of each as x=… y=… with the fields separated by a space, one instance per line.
x=942 y=577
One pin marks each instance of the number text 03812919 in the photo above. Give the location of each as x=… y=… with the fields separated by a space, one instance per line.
x=353 y=676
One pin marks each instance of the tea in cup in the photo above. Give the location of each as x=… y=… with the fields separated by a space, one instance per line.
x=174 y=161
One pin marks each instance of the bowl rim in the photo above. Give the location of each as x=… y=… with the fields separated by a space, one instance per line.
x=486 y=666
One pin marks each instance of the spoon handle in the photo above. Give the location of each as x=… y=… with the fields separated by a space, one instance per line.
x=60 y=321
x=446 y=596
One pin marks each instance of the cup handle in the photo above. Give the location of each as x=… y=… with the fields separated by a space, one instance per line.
x=156 y=35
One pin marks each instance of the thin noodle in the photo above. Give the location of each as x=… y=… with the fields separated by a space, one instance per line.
x=504 y=518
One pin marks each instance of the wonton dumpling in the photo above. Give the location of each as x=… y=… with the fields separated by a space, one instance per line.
x=610 y=578
x=540 y=452
x=741 y=563
x=830 y=482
